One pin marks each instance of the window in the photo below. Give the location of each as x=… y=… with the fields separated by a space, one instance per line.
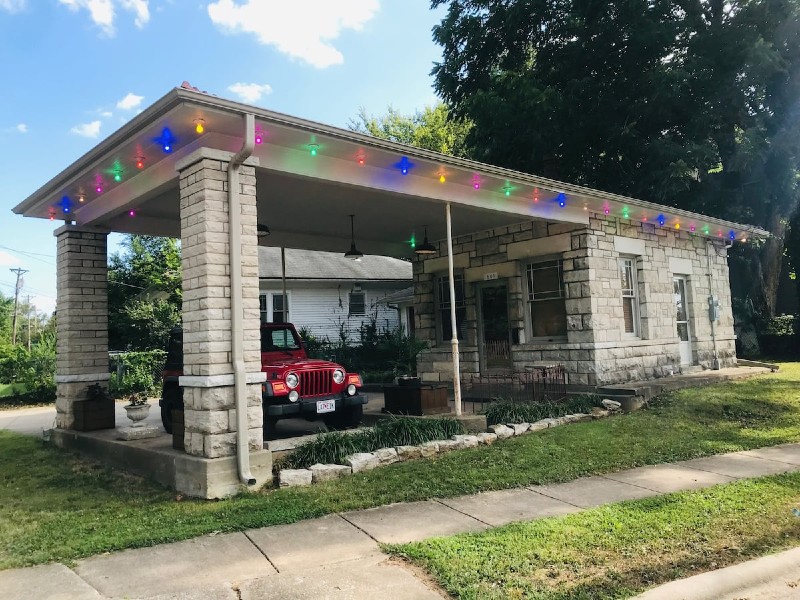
x=357 y=303
x=274 y=307
x=546 y=302
x=278 y=339
x=630 y=299
x=443 y=296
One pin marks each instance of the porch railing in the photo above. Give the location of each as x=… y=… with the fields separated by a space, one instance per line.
x=534 y=384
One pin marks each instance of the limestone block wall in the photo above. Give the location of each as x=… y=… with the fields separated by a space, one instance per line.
x=82 y=324
x=209 y=405
x=596 y=350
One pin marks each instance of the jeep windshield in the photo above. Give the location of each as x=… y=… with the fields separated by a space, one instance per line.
x=282 y=338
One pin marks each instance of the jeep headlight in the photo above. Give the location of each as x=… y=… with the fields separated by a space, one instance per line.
x=292 y=380
x=338 y=376
x=351 y=390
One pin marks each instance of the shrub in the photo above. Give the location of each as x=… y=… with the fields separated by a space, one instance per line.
x=530 y=412
x=34 y=369
x=136 y=372
x=333 y=448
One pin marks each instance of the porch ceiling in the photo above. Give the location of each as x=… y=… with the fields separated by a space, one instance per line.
x=305 y=198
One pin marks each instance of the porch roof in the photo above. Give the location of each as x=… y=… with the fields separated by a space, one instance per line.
x=311 y=176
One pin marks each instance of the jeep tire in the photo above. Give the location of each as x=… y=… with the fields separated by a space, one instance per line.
x=171 y=399
x=347 y=418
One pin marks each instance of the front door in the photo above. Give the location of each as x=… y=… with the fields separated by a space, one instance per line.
x=495 y=335
x=682 y=320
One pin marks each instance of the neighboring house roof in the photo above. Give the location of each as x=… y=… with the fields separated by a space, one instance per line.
x=316 y=265
x=400 y=296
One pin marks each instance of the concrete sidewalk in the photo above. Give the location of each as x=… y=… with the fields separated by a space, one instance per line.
x=338 y=556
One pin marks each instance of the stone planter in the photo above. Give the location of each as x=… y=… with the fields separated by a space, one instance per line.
x=137 y=413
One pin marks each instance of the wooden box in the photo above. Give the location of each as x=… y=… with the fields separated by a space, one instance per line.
x=177 y=430
x=415 y=400
x=91 y=415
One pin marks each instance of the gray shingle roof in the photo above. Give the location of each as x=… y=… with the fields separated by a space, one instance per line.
x=309 y=264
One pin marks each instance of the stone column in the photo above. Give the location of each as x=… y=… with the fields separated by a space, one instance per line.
x=209 y=405
x=82 y=317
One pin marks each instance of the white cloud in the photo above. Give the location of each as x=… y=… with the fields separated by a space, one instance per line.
x=90 y=130
x=12 y=6
x=250 y=92
x=140 y=8
x=22 y=127
x=102 y=12
x=106 y=114
x=9 y=260
x=130 y=101
x=44 y=304
x=302 y=29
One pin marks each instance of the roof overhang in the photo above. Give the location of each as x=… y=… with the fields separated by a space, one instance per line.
x=311 y=176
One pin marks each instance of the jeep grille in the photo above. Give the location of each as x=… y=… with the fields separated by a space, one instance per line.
x=316 y=383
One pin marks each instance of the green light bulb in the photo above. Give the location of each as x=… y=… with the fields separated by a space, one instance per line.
x=117 y=177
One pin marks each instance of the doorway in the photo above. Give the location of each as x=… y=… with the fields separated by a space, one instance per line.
x=493 y=328
x=682 y=321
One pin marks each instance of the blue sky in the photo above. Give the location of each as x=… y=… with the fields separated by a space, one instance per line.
x=73 y=71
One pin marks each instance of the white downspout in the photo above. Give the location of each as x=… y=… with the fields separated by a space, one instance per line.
x=237 y=310
x=453 y=324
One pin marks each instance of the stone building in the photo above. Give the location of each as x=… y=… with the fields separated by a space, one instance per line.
x=614 y=288
x=613 y=301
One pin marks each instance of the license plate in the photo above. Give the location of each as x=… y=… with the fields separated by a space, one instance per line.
x=326 y=406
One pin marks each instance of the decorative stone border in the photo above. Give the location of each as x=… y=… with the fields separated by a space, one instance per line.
x=366 y=461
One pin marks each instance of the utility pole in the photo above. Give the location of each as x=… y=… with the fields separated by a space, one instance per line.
x=19 y=272
x=28 y=300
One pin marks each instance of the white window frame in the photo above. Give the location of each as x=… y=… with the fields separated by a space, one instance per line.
x=631 y=293
x=268 y=300
x=350 y=313
x=529 y=299
x=442 y=284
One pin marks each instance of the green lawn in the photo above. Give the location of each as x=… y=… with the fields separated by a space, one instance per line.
x=617 y=551
x=11 y=389
x=56 y=507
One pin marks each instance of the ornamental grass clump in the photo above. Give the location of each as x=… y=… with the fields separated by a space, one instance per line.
x=335 y=447
x=530 y=412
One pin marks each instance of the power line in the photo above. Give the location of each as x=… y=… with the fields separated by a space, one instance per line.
x=19 y=272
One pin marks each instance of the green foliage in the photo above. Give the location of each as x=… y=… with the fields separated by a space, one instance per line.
x=690 y=105
x=34 y=370
x=144 y=293
x=333 y=448
x=375 y=350
x=133 y=372
x=783 y=325
x=431 y=129
x=530 y=412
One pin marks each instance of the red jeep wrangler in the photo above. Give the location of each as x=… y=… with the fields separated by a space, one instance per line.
x=296 y=386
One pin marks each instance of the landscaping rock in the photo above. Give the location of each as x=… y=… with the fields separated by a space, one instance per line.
x=599 y=413
x=466 y=441
x=362 y=461
x=294 y=477
x=551 y=422
x=429 y=449
x=386 y=456
x=539 y=425
x=611 y=405
x=487 y=438
x=320 y=472
x=519 y=428
x=501 y=431
x=408 y=452
x=447 y=445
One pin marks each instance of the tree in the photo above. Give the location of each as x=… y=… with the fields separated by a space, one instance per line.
x=691 y=104
x=144 y=293
x=431 y=129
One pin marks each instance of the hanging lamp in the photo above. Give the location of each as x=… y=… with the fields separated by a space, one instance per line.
x=353 y=253
x=425 y=247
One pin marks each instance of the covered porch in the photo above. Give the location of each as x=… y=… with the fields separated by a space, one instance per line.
x=214 y=173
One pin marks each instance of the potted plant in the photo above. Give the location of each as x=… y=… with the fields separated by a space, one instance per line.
x=137 y=408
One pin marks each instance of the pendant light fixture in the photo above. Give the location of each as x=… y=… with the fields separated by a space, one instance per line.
x=425 y=248
x=353 y=253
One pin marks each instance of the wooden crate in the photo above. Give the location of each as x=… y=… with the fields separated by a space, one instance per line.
x=415 y=400
x=91 y=415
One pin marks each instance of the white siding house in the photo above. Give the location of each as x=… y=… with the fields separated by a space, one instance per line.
x=328 y=293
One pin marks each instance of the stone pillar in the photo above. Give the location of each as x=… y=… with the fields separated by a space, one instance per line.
x=209 y=404
x=82 y=318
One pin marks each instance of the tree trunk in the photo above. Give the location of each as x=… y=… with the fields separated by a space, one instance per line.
x=765 y=285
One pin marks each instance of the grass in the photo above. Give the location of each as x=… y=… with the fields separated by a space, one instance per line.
x=619 y=550
x=11 y=389
x=15 y=395
x=333 y=448
x=54 y=506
